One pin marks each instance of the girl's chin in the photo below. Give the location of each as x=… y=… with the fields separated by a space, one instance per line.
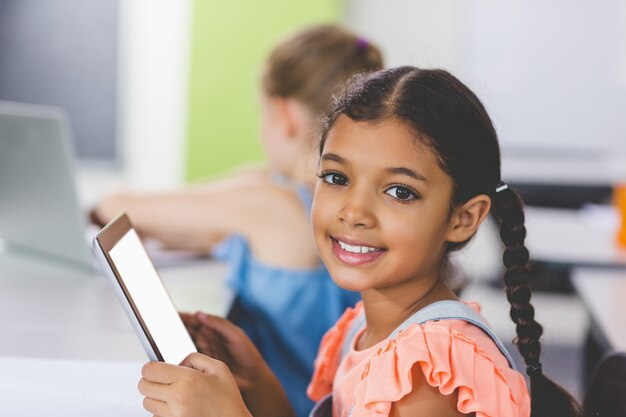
x=349 y=281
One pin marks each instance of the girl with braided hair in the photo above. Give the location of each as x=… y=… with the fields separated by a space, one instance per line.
x=409 y=168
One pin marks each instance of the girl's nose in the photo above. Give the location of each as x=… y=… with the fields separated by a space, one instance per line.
x=358 y=211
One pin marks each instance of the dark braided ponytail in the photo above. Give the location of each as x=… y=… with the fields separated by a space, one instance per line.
x=548 y=398
x=449 y=119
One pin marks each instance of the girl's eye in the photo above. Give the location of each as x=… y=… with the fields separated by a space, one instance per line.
x=401 y=193
x=334 y=178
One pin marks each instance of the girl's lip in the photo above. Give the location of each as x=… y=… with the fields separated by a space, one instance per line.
x=355 y=259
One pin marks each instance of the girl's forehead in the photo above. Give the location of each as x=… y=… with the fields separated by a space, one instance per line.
x=388 y=142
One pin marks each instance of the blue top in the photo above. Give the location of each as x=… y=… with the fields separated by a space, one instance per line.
x=284 y=311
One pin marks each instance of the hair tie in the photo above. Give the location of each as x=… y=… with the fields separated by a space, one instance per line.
x=362 y=44
x=533 y=370
x=501 y=186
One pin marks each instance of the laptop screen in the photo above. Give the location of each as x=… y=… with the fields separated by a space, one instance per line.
x=39 y=208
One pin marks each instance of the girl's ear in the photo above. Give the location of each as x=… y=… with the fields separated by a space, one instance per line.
x=467 y=217
x=282 y=119
x=292 y=117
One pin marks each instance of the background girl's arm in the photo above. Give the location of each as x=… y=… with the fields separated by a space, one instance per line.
x=270 y=217
x=164 y=215
x=181 y=220
x=425 y=400
x=248 y=175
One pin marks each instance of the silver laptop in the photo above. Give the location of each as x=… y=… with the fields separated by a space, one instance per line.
x=39 y=207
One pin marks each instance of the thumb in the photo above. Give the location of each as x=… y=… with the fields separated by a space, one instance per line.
x=204 y=364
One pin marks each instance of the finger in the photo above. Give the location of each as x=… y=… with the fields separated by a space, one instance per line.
x=161 y=372
x=190 y=322
x=188 y=319
x=205 y=364
x=155 y=407
x=153 y=390
x=225 y=328
x=208 y=337
x=193 y=333
x=212 y=344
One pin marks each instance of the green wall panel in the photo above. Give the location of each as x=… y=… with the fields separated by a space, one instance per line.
x=230 y=40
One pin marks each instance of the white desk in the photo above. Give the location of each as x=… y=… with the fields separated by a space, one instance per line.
x=567 y=237
x=557 y=167
x=603 y=292
x=53 y=312
x=66 y=346
x=574 y=237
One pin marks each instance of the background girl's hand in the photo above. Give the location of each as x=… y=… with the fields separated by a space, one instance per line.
x=200 y=387
x=220 y=339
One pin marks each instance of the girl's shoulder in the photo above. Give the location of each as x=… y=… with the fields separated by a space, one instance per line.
x=454 y=356
x=274 y=221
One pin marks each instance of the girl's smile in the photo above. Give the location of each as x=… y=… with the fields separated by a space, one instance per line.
x=353 y=252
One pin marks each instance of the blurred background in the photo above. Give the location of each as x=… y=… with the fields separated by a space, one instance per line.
x=180 y=78
x=163 y=93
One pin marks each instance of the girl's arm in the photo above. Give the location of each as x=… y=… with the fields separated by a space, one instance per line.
x=194 y=218
x=425 y=400
x=244 y=175
x=183 y=220
x=270 y=217
x=170 y=216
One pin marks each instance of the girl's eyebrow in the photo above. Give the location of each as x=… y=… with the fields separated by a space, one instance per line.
x=408 y=172
x=333 y=157
x=392 y=170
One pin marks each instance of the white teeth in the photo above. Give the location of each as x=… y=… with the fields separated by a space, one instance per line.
x=356 y=249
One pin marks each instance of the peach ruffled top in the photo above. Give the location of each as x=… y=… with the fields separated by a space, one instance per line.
x=454 y=355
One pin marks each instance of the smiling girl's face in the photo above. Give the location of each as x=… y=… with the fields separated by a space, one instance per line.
x=381 y=211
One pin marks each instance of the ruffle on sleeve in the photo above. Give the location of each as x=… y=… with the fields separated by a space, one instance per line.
x=450 y=361
x=328 y=356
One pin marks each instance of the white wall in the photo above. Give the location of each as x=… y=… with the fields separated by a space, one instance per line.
x=154 y=68
x=551 y=74
x=154 y=46
x=414 y=32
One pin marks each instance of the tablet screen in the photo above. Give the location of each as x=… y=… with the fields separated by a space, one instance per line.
x=145 y=297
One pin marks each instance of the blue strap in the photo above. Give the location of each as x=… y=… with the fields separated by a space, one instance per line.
x=323 y=408
x=440 y=310
x=306 y=197
x=304 y=192
x=355 y=327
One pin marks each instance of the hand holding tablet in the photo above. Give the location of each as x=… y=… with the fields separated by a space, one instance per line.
x=141 y=292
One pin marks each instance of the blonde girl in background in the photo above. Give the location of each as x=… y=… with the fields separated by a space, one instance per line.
x=409 y=169
x=258 y=220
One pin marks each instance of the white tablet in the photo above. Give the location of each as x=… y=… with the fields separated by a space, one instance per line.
x=141 y=292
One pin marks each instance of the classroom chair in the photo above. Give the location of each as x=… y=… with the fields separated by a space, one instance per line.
x=606 y=393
